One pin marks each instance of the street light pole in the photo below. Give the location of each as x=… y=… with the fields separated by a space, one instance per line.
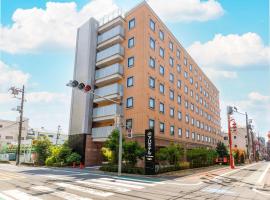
x=119 y=125
x=58 y=134
x=20 y=128
x=230 y=141
x=248 y=139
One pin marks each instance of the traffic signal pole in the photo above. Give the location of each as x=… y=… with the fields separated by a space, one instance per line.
x=230 y=141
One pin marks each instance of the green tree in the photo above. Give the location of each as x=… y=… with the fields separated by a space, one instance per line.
x=221 y=150
x=132 y=152
x=42 y=148
x=171 y=153
x=112 y=143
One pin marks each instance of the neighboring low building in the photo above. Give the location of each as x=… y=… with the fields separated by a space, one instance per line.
x=9 y=131
x=54 y=136
x=268 y=145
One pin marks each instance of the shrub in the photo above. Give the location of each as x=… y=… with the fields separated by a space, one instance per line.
x=171 y=154
x=201 y=157
x=125 y=169
x=74 y=157
x=132 y=152
x=107 y=154
x=42 y=148
x=184 y=165
x=221 y=150
x=50 y=161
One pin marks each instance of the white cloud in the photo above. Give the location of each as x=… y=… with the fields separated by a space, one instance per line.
x=46 y=97
x=187 y=10
x=231 y=51
x=255 y=96
x=11 y=77
x=220 y=74
x=54 y=26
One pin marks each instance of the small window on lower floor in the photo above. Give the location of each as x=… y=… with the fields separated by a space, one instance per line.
x=128 y=123
x=171 y=130
x=161 y=127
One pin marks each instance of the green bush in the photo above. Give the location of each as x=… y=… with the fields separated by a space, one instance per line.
x=171 y=154
x=125 y=169
x=74 y=157
x=50 y=161
x=184 y=165
x=42 y=148
x=169 y=168
x=201 y=157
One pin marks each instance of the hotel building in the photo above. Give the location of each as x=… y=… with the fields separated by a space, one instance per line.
x=135 y=60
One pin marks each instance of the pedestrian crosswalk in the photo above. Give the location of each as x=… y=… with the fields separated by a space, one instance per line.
x=79 y=189
x=5 y=176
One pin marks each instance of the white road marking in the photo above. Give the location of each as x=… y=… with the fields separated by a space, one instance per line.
x=86 y=190
x=4 y=197
x=260 y=192
x=60 y=177
x=217 y=191
x=20 y=195
x=103 y=186
x=184 y=184
x=61 y=194
x=128 y=182
x=263 y=174
x=117 y=184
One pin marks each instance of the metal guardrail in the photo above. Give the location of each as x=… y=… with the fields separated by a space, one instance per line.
x=111 y=16
x=113 y=50
x=108 y=71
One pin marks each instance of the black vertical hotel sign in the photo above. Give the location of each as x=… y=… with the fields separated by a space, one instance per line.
x=150 y=152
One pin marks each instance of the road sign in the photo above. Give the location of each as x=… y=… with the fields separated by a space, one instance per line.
x=150 y=152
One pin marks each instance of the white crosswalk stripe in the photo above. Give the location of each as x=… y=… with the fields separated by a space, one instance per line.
x=4 y=197
x=61 y=194
x=17 y=194
x=116 y=184
x=128 y=182
x=103 y=186
x=83 y=189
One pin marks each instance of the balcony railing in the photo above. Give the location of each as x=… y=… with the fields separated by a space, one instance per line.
x=101 y=133
x=113 y=91
x=109 y=74
x=106 y=112
x=108 y=56
x=116 y=31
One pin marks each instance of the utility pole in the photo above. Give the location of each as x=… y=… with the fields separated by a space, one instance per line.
x=248 y=140
x=15 y=91
x=229 y=112
x=58 y=134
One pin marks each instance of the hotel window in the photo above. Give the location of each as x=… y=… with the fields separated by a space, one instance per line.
x=202 y=125
x=192 y=121
x=196 y=85
x=171 y=112
x=161 y=35
x=179 y=83
x=201 y=89
x=151 y=124
x=197 y=97
x=128 y=123
x=161 y=108
x=198 y=124
x=161 y=127
x=186 y=104
x=186 y=89
x=161 y=52
x=187 y=118
x=191 y=93
x=171 y=94
x=179 y=99
x=152 y=62
x=190 y=67
x=201 y=100
x=198 y=137
x=178 y=68
x=152 y=103
x=179 y=114
x=179 y=132
x=191 y=80
x=187 y=133
x=161 y=88
x=202 y=138
x=171 y=130
x=131 y=42
x=130 y=81
x=192 y=106
x=151 y=82
x=193 y=136
x=131 y=61
x=171 y=46
x=152 y=43
x=152 y=25
x=171 y=61
x=178 y=53
x=185 y=74
x=161 y=70
x=171 y=77
x=129 y=102
x=131 y=24
x=185 y=61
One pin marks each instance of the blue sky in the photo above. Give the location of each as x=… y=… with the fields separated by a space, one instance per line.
x=37 y=49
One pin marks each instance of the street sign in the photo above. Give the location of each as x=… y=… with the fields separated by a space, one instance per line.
x=150 y=152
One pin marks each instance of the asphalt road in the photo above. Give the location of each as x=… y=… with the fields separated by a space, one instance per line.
x=28 y=183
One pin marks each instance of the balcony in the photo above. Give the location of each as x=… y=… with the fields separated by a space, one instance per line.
x=111 y=21
x=106 y=113
x=110 y=55
x=101 y=134
x=114 y=91
x=110 y=37
x=109 y=74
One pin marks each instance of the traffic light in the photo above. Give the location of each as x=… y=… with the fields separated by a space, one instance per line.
x=80 y=86
x=87 y=88
x=73 y=83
